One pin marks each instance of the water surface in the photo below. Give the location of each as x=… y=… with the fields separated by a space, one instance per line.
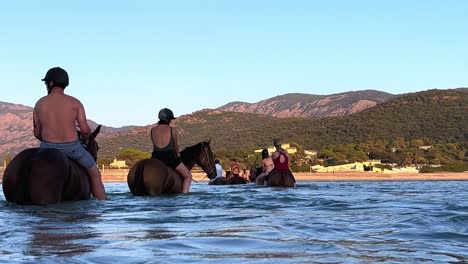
x=318 y=222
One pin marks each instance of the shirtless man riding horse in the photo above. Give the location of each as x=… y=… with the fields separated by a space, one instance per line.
x=55 y=117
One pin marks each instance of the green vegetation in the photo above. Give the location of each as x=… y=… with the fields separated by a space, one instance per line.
x=460 y=167
x=131 y=156
x=393 y=131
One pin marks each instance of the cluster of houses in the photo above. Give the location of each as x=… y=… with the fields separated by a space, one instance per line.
x=369 y=165
x=118 y=164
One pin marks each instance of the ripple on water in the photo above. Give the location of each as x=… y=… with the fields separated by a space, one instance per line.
x=329 y=222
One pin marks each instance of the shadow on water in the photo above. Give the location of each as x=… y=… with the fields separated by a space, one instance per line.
x=46 y=231
x=61 y=233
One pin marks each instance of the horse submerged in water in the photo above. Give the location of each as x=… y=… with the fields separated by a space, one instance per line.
x=153 y=177
x=47 y=176
x=277 y=178
x=231 y=179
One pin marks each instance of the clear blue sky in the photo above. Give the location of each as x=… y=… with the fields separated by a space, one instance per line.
x=128 y=59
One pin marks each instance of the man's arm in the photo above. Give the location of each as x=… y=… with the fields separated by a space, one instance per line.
x=82 y=123
x=37 y=129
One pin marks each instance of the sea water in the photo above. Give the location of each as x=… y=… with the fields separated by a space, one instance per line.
x=317 y=222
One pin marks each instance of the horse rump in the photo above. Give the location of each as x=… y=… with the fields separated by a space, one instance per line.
x=153 y=177
x=36 y=176
x=281 y=178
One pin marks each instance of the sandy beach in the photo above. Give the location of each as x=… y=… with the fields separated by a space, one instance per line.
x=337 y=176
x=370 y=176
x=121 y=176
x=375 y=176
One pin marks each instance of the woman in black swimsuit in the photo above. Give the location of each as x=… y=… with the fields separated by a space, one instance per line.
x=166 y=147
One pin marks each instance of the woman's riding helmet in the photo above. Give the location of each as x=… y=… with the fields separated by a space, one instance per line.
x=166 y=114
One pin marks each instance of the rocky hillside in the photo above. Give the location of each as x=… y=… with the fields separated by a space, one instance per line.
x=16 y=128
x=439 y=115
x=315 y=106
x=436 y=115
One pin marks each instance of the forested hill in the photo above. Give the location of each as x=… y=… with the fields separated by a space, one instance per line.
x=437 y=115
x=309 y=105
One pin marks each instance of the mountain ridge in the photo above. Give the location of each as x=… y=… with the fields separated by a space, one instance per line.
x=311 y=105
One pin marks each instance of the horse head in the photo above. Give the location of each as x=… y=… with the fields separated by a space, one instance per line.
x=91 y=145
x=206 y=159
x=201 y=155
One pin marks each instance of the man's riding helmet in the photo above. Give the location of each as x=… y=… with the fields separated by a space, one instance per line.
x=57 y=75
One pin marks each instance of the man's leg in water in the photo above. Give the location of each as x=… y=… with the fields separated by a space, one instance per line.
x=186 y=177
x=97 y=187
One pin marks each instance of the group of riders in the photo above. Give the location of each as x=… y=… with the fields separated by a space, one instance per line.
x=278 y=162
x=57 y=114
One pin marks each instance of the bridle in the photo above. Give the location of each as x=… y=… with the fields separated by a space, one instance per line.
x=205 y=159
x=86 y=144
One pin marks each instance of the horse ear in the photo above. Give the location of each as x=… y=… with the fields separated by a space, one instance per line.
x=96 y=131
x=209 y=141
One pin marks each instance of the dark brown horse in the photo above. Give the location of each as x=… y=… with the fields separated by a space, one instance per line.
x=235 y=179
x=218 y=181
x=47 y=176
x=279 y=178
x=153 y=177
x=254 y=173
x=230 y=179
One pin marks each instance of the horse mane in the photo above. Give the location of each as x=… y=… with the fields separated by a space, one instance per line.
x=188 y=153
x=193 y=147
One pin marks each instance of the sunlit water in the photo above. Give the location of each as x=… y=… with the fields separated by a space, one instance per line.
x=318 y=222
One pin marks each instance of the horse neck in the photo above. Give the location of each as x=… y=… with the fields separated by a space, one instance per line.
x=91 y=147
x=189 y=156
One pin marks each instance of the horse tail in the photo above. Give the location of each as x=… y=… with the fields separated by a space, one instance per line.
x=139 y=180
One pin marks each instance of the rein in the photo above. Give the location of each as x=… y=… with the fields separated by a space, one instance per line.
x=205 y=158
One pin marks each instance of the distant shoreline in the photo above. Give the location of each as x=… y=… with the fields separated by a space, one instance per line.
x=329 y=176
x=376 y=176
x=342 y=176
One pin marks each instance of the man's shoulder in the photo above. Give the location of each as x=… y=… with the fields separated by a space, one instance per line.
x=40 y=101
x=71 y=98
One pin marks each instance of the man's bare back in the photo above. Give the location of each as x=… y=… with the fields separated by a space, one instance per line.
x=56 y=116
